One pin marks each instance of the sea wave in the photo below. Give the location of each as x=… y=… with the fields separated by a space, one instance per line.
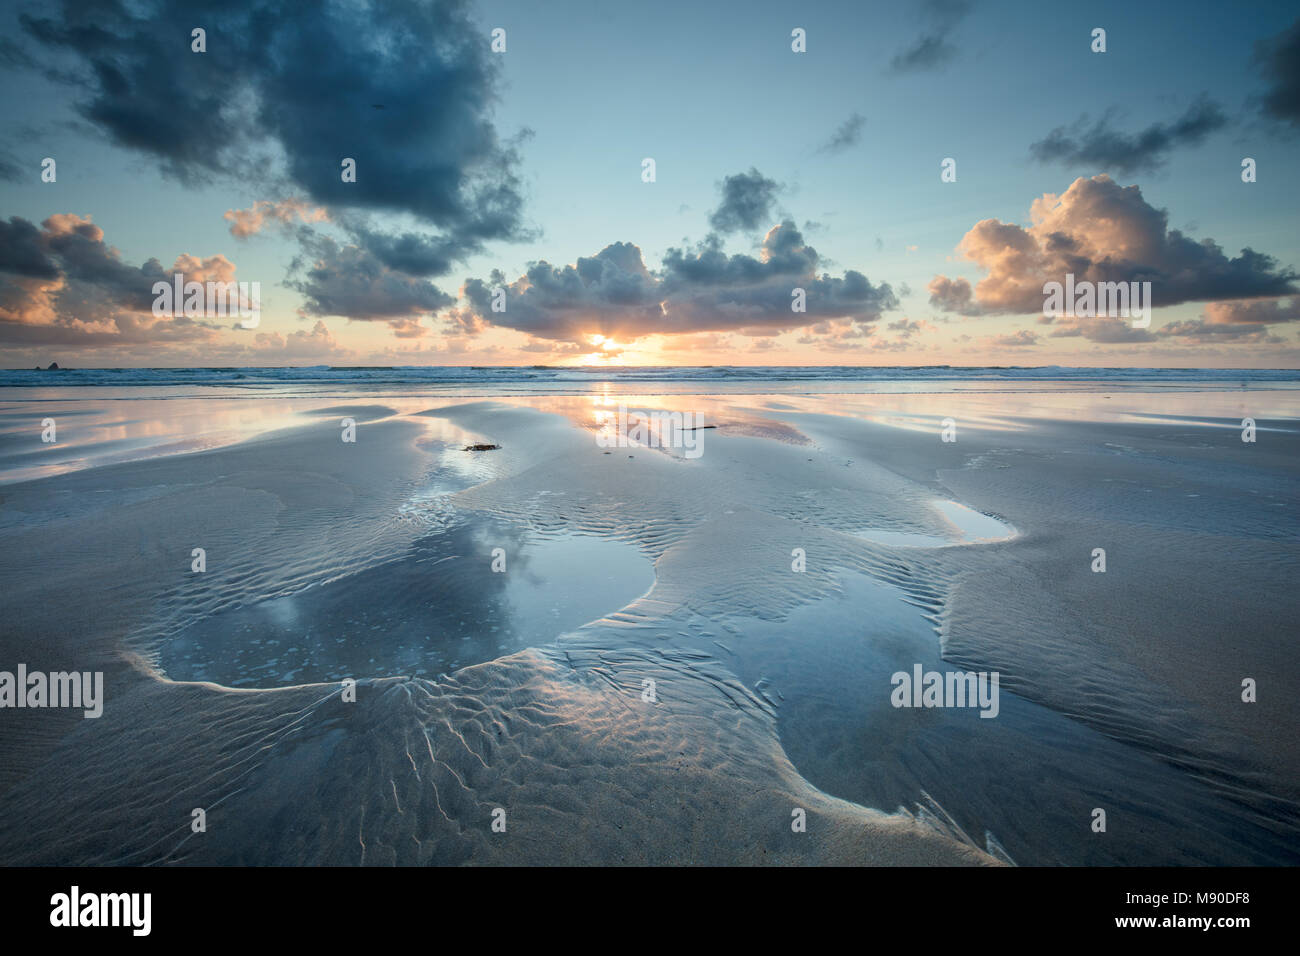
x=553 y=378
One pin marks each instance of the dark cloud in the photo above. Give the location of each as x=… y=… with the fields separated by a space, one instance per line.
x=952 y=295
x=1280 y=58
x=1244 y=322
x=66 y=269
x=61 y=284
x=350 y=281
x=1099 y=146
x=23 y=250
x=606 y=293
x=1103 y=329
x=1201 y=331
x=125 y=330
x=1100 y=231
x=10 y=170
x=747 y=201
x=296 y=82
x=1253 y=311
x=700 y=290
x=415 y=254
x=847 y=135
x=13 y=56
x=932 y=48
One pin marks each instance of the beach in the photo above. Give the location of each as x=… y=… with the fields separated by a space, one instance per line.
x=576 y=649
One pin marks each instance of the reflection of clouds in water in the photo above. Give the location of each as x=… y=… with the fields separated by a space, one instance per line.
x=972 y=527
x=438 y=609
x=742 y=649
x=975 y=526
x=117 y=424
x=555 y=568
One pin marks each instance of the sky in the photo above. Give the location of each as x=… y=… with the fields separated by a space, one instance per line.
x=503 y=211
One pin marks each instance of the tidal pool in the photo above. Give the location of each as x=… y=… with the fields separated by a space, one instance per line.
x=438 y=608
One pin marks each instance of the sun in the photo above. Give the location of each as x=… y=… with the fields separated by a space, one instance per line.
x=608 y=352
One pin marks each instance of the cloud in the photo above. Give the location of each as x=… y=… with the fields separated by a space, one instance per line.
x=1102 y=147
x=1280 y=58
x=931 y=49
x=1203 y=332
x=543 y=347
x=416 y=254
x=1253 y=311
x=1104 y=329
x=63 y=285
x=316 y=344
x=249 y=222
x=24 y=250
x=10 y=170
x=885 y=345
x=906 y=328
x=847 y=135
x=1102 y=232
x=1015 y=340
x=286 y=92
x=350 y=281
x=747 y=200
x=952 y=295
x=408 y=328
x=703 y=290
x=1246 y=322
x=705 y=342
x=462 y=322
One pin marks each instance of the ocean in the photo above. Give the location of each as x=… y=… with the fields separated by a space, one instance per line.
x=646 y=380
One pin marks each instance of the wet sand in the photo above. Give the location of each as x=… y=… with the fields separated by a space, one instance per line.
x=524 y=689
